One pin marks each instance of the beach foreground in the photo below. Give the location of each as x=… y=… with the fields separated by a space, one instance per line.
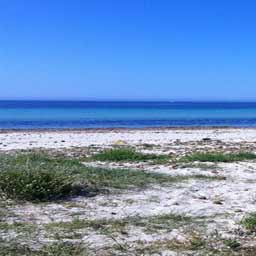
x=197 y=194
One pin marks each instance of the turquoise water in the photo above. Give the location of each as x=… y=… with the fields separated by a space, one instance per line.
x=45 y=114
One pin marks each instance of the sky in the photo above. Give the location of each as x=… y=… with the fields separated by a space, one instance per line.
x=128 y=49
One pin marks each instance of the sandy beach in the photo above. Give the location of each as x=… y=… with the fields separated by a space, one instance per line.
x=127 y=128
x=15 y=140
x=217 y=197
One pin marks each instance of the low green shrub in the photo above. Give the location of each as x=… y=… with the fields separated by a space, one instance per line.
x=126 y=154
x=35 y=184
x=250 y=222
x=35 y=178
x=218 y=157
x=232 y=243
x=55 y=249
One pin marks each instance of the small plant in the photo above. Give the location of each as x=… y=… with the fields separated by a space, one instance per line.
x=126 y=154
x=233 y=244
x=219 y=157
x=39 y=185
x=250 y=222
x=122 y=178
x=34 y=178
x=147 y=145
x=63 y=249
x=196 y=242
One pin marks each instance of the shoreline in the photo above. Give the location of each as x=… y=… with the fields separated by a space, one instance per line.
x=81 y=138
x=125 y=129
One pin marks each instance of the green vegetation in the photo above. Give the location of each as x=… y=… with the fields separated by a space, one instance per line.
x=18 y=227
x=200 y=165
x=122 y=178
x=39 y=177
x=250 y=222
x=218 y=157
x=195 y=243
x=232 y=243
x=35 y=178
x=41 y=185
x=127 y=178
x=56 y=249
x=106 y=226
x=127 y=154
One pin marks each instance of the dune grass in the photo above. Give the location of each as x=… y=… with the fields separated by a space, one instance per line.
x=250 y=222
x=38 y=177
x=35 y=177
x=167 y=221
x=55 y=249
x=127 y=154
x=218 y=157
x=41 y=185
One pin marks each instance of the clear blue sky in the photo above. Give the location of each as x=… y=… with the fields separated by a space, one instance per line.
x=128 y=49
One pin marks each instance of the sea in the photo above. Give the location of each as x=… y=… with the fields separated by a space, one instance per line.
x=127 y=114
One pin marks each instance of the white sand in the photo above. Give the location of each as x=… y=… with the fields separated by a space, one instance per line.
x=223 y=203
x=67 y=139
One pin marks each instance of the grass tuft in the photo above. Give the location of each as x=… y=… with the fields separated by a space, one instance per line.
x=232 y=243
x=127 y=154
x=55 y=249
x=250 y=222
x=110 y=226
x=194 y=244
x=34 y=178
x=37 y=177
x=218 y=157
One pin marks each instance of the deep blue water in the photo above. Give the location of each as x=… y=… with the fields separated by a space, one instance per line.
x=68 y=114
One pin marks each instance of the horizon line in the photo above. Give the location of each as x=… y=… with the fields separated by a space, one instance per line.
x=132 y=100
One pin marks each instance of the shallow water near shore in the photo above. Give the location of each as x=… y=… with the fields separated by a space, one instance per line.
x=90 y=114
